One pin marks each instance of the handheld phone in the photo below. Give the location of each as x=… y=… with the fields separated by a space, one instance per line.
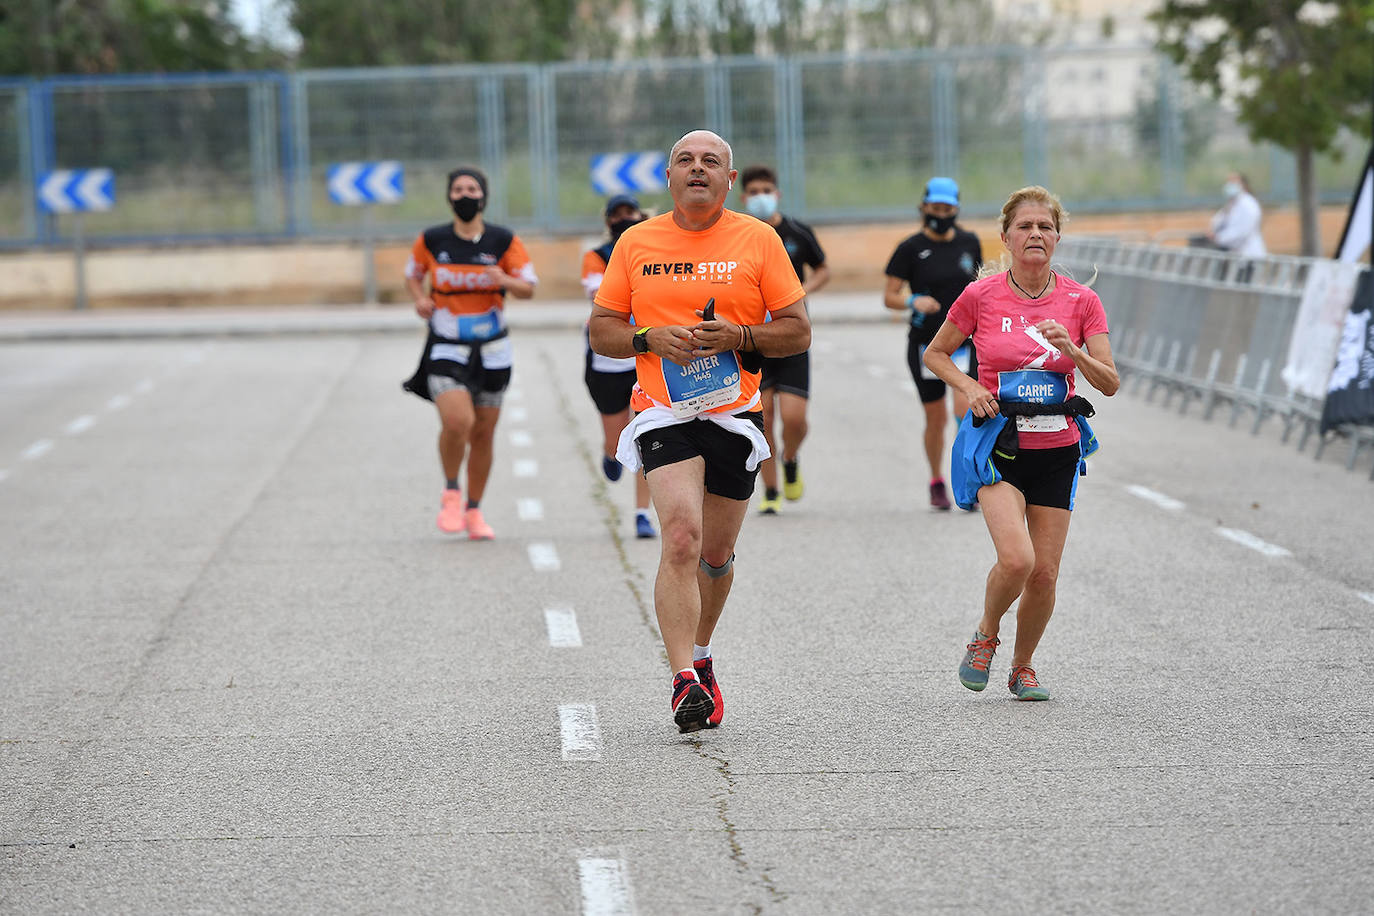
x=709 y=313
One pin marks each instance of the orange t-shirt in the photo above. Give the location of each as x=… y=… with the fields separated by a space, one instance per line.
x=666 y=274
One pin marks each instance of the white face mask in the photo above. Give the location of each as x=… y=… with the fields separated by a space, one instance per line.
x=762 y=205
x=1231 y=189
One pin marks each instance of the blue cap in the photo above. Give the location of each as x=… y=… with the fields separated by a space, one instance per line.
x=621 y=200
x=942 y=191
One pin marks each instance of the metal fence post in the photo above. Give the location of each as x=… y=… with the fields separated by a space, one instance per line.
x=301 y=178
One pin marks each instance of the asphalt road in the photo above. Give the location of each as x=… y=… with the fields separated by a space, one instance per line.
x=243 y=672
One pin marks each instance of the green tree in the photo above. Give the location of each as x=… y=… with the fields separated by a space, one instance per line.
x=51 y=37
x=1299 y=71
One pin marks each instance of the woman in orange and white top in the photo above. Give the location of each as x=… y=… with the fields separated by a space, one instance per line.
x=466 y=364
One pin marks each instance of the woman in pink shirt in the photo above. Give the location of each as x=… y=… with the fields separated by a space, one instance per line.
x=1032 y=328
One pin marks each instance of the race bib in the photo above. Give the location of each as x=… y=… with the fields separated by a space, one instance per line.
x=479 y=327
x=703 y=384
x=959 y=356
x=1035 y=386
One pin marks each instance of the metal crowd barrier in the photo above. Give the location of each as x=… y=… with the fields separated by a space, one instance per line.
x=1208 y=328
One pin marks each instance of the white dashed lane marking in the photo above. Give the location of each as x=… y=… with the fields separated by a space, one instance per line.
x=544 y=556
x=605 y=887
x=517 y=414
x=80 y=425
x=1367 y=596
x=521 y=438
x=4 y=473
x=526 y=467
x=878 y=371
x=562 y=626
x=37 y=450
x=1152 y=496
x=118 y=402
x=529 y=509
x=1246 y=539
x=581 y=734
x=144 y=386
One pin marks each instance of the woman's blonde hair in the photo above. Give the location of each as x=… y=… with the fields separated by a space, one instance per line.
x=1033 y=194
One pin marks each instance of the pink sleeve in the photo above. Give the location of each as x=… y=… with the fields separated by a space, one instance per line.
x=1094 y=315
x=963 y=314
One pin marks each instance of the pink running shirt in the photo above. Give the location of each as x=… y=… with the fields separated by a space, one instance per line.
x=1014 y=360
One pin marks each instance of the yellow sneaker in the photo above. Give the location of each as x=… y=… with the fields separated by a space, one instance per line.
x=769 y=506
x=792 y=486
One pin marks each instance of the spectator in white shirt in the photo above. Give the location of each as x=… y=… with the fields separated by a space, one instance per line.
x=1236 y=226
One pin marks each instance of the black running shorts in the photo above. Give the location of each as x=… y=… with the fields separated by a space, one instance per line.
x=1045 y=476
x=610 y=391
x=724 y=452
x=931 y=389
x=791 y=374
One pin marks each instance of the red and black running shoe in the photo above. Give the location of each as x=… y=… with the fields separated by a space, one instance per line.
x=707 y=676
x=692 y=705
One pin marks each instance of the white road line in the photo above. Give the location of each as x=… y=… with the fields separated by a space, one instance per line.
x=4 y=473
x=521 y=438
x=517 y=414
x=37 y=450
x=878 y=371
x=80 y=425
x=561 y=623
x=144 y=386
x=1246 y=539
x=1152 y=496
x=529 y=509
x=118 y=402
x=1367 y=596
x=525 y=467
x=581 y=734
x=543 y=557
x=605 y=887
x=515 y=394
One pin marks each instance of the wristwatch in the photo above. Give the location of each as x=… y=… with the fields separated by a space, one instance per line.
x=641 y=340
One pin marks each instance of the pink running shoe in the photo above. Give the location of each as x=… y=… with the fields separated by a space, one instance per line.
x=451 y=520
x=478 y=529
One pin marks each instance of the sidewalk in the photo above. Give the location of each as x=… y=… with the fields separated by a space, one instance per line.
x=262 y=321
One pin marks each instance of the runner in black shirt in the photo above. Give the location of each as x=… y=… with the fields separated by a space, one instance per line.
x=788 y=378
x=935 y=265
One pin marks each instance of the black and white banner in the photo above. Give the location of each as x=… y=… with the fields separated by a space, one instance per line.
x=1350 y=393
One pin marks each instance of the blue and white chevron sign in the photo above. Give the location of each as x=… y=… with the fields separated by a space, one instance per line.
x=76 y=190
x=626 y=173
x=355 y=183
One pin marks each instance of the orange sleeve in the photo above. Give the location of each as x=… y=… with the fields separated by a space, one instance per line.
x=614 y=293
x=421 y=260
x=592 y=265
x=516 y=261
x=778 y=283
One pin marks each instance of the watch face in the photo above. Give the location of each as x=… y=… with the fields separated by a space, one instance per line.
x=641 y=342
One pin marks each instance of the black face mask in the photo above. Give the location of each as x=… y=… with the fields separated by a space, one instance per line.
x=619 y=226
x=465 y=208
x=940 y=224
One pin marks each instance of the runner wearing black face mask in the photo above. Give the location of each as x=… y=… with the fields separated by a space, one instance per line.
x=610 y=381
x=466 y=363
x=934 y=265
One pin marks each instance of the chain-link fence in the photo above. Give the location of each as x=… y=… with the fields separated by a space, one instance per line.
x=852 y=137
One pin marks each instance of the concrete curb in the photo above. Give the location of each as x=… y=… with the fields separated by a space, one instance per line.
x=147 y=324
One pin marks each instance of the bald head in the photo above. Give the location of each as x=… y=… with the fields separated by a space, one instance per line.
x=695 y=137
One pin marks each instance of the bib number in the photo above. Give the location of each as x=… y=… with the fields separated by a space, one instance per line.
x=703 y=384
x=480 y=327
x=1035 y=386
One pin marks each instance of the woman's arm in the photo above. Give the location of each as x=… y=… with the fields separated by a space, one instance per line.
x=1093 y=359
x=937 y=360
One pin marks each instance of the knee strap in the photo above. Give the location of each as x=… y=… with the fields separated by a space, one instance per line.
x=717 y=572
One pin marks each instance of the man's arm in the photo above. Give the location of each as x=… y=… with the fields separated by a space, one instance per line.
x=611 y=334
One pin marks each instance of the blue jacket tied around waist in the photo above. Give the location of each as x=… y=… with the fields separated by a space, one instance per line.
x=971 y=465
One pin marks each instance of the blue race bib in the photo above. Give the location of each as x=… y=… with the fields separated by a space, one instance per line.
x=702 y=384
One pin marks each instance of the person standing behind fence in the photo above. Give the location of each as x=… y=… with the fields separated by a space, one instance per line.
x=465 y=367
x=786 y=380
x=609 y=381
x=699 y=282
x=1033 y=329
x=935 y=265
x=1236 y=226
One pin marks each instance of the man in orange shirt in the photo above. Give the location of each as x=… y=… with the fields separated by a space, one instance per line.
x=700 y=282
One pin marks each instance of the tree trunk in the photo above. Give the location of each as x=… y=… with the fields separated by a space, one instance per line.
x=1307 y=203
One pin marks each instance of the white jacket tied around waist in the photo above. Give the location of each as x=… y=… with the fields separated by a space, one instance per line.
x=659 y=416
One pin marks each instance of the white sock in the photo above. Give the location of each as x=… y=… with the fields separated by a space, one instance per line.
x=700 y=652
x=642 y=513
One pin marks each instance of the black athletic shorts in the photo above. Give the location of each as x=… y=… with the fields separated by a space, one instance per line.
x=725 y=453
x=1045 y=476
x=610 y=391
x=928 y=386
x=791 y=374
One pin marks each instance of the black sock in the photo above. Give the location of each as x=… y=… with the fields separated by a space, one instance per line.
x=789 y=470
x=770 y=493
x=472 y=503
x=451 y=483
